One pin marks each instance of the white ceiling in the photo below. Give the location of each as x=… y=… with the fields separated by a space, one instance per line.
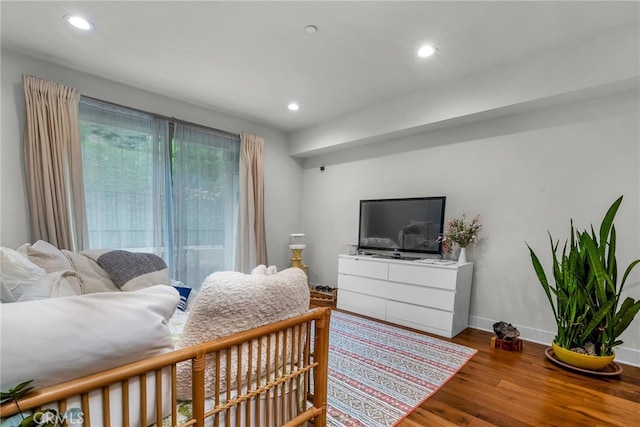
x=251 y=59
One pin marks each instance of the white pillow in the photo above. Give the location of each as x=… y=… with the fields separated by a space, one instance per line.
x=52 y=285
x=259 y=270
x=5 y=293
x=263 y=270
x=272 y=269
x=54 y=340
x=51 y=259
x=17 y=274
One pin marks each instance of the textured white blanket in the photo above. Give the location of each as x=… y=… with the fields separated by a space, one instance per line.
x=231 y=302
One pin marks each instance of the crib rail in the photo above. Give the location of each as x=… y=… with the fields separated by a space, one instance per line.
x=288 y=388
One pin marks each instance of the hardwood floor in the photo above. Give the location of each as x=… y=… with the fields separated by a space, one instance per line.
x=505 y=388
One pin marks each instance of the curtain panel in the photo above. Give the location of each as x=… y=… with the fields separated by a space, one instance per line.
x=251 y=248
x=53 y=163
x=154 y=184
x=204 y=201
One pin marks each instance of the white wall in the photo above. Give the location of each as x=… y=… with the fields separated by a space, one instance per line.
x=557 y=77
x=523 y=174
x=282 y=173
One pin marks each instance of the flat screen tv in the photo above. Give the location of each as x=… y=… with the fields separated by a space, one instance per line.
x=401 y=228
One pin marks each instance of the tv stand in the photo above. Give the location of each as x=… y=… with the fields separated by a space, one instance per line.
x=428 y=296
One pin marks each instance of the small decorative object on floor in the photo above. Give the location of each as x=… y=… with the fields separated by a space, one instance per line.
x=506 y=337
x=462 y=233
x=323 y=296
x=505 y=330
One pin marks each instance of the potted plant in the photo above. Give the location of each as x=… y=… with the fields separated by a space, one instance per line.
x=585 y=295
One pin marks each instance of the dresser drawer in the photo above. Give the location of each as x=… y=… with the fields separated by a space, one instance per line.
x=435 y=277
x=362 y=267
x=423 y=318
x=363 y=285
x=362 y=304
x=442 y=299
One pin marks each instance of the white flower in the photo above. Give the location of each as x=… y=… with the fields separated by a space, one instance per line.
x=462 y=232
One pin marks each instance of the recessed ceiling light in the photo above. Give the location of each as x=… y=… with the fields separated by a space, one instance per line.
x=426 y=50
x=311 y=29
x=293 y=106
x=78 y=22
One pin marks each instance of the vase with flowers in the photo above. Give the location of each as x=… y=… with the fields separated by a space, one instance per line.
x=461 y=232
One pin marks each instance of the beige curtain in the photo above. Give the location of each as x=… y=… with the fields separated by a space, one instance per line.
x=251 y=247
x=53 y=163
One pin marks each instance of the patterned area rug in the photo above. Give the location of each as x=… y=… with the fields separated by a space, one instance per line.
x=380 y=373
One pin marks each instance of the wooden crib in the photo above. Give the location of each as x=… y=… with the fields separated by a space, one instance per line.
x=292 y=391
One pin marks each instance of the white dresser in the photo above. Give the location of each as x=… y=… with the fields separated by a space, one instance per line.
x=430 y=297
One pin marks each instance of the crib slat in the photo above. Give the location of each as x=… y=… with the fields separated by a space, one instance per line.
x=197 y=383
x=259 y=379
x=293 y=356
x=143 y=399
x=85 y=409
x=62 y=409
x=106 y=410
x=174 y=395
x=227 y=418
x=158 y=396
x=125 y=403
x=247 y=407
x=321 y=352
x=239 y=371
x=283 y=412
x=267 y=373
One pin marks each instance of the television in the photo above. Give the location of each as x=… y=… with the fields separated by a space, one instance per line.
x=401 y=228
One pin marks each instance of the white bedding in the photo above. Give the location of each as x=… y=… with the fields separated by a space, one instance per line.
x=83 y=334
x=176 y=324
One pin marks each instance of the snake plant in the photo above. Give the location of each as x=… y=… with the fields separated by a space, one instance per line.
x=585 y=294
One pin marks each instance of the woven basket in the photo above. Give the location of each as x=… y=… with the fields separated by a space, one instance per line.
x=321 y=298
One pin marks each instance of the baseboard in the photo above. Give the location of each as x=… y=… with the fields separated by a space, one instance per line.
x=624 y=355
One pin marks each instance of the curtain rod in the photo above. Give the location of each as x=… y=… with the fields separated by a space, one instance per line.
x=160 y=116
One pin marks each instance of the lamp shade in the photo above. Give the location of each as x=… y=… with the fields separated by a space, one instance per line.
x=297 y=241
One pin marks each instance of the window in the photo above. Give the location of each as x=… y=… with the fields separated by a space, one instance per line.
x=157 y=185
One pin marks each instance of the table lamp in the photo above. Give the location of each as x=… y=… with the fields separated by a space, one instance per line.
x=297 y=242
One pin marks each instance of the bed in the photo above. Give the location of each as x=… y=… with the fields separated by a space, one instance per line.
x=270 y=370
x=266 y=402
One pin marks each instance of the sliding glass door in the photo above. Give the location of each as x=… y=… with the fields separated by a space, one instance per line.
x=157 y=185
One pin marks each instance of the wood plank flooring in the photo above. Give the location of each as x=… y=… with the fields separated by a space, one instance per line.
x=501 y=388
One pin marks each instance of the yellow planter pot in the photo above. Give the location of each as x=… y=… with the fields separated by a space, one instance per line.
x=584 y=361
